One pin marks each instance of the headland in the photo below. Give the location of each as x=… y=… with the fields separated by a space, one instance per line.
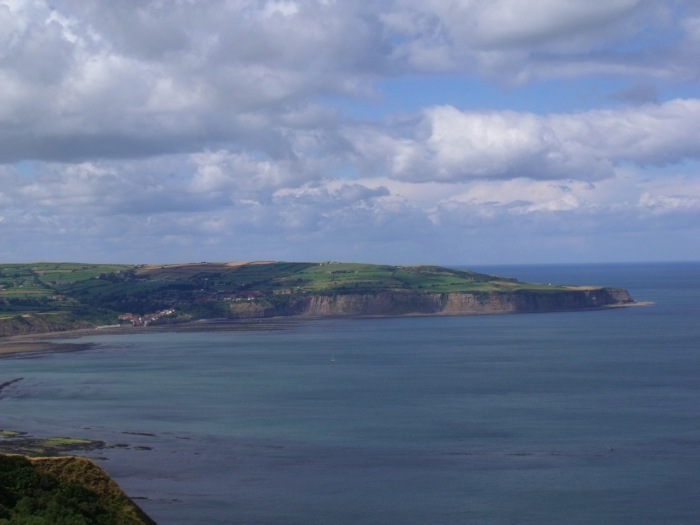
x=71 y=299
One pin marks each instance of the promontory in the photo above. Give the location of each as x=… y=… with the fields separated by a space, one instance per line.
x=48 y=297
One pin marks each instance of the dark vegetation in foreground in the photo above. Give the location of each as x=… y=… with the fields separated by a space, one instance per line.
x=62 y=491
x=44 y=297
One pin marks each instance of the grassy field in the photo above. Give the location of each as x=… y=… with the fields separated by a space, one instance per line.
x=327 y=277
x=46 y=279
x=93 y=284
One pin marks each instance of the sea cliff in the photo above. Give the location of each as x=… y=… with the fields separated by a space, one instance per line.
x=459 y=303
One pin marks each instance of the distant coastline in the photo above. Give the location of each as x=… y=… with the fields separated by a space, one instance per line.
x=50 y=342
x=68 y=299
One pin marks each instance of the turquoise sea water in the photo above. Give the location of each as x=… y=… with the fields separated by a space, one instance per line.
x=588 y=417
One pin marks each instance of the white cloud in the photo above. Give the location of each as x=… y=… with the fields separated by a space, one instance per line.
x=453 y=145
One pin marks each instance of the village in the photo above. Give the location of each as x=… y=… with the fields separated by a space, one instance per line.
x=147 y=319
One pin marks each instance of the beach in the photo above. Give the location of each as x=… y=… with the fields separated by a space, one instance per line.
x=16 y=346
x=56 y=341
x=46 y=342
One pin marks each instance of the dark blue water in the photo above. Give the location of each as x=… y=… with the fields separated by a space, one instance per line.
x=589 y=417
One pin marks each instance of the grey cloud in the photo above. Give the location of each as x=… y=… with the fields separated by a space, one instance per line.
x=148 y=30
x=131 y=79
x=637 y=94
x=358 y=192
x=77 y=147
x=42 y=55
x=517 y=41
x=565 y=23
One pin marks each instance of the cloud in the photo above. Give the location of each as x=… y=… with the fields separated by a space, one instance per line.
x=503 y=24
x=637 y=94
x=140 y=128
x=665 y=204
x=84 y=79
x=518 y=41
x=241 y=175
x=451 y=145
x=138 y=218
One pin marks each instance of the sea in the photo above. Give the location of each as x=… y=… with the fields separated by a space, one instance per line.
x=552 y=418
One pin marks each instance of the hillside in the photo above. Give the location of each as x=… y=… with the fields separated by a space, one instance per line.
x=63 y=490
x=44 y=297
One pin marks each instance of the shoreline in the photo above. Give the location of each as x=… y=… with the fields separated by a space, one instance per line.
x=46 y=341
x=42 y=342
x=12 y=348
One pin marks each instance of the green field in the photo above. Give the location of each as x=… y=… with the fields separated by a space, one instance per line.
x=326 y=278
x=104 y=283
x=45 y=279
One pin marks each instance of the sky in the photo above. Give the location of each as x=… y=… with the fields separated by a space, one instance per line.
x=451 y=132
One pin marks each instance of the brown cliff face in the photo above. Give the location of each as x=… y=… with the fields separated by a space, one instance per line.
x=536 y=302
x=398 y=303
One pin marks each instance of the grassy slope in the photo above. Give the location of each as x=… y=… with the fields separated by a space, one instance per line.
x=64 y=490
